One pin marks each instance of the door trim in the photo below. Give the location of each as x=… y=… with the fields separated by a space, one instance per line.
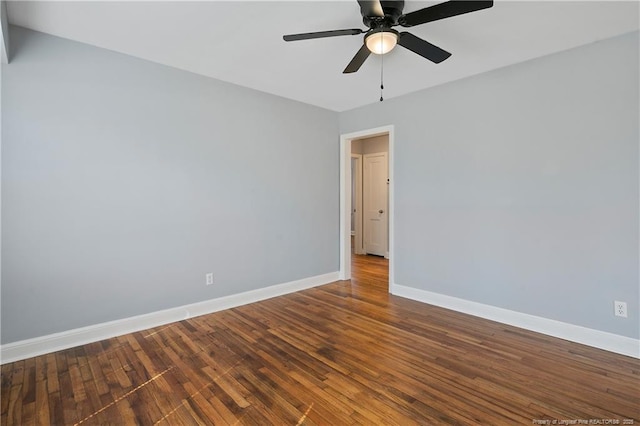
x=345 y=198
x=358 y=207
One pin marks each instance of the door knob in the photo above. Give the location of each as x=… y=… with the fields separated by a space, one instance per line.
x=380 y=211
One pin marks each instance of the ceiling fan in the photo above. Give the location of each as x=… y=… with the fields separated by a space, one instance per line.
x=381 y=15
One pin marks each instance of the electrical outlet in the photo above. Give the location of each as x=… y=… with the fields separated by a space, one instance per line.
x=620 y=309
x=209 y=278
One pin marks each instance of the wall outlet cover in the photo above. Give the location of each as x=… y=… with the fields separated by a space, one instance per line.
x=620 y=309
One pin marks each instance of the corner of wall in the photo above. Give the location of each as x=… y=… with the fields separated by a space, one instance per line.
x=4 y=32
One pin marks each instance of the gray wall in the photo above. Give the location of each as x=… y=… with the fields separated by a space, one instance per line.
x=124 y=182
x=518 y=188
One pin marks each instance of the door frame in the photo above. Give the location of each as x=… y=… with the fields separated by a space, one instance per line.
x=345 y=198
x=358 y=237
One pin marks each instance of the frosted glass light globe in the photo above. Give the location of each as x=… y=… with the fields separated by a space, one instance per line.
x=381 y=42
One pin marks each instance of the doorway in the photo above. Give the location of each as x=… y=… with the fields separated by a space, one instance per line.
x=369 y=195
x=346 y=199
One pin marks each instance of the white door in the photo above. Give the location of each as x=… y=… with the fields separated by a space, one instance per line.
x=374 y=200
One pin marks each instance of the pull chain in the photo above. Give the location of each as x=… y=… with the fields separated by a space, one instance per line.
x=381 y=71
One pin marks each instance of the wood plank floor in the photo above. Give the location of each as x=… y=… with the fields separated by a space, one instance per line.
x=340 y=354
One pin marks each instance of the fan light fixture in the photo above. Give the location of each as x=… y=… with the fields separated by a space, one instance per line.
x=381 y=42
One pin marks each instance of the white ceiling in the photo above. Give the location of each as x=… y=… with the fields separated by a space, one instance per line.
x=241 y=41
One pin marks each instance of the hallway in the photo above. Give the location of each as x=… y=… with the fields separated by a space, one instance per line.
x=372 y=271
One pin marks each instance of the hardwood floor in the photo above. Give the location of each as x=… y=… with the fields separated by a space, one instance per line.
x=340 y=354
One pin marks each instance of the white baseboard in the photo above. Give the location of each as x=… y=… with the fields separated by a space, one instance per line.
x=81 y=336
x=574 y=333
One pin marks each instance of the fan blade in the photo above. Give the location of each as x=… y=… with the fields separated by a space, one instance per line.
x=371 y=8
x=442 y=11
x=357 y=60
x=322 y=34
x=422 y=47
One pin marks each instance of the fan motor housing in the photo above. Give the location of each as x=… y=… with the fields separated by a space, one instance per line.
x=392 y=12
